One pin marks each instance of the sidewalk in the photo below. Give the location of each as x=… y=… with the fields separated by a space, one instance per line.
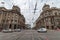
x=50 y=30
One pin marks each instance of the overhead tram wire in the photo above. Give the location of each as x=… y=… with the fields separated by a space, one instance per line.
x=35 y=10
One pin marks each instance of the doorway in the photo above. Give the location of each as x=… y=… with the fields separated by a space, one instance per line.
x=47 y=27
x=52 y=27
x=15 y=26
x=10 y=26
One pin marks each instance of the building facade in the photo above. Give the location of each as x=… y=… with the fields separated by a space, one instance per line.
x=49 y=17
x=11 y=19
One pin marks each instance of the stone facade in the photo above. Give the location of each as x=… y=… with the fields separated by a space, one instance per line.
x=11 y=19
x=49 y=17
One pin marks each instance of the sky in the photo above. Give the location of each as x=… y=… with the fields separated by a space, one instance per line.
x=27 y=7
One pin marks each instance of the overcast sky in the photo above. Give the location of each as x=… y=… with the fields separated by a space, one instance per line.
x=27 y=7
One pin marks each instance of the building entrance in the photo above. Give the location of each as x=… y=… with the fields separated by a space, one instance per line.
x=52 y=27
x=47 y=27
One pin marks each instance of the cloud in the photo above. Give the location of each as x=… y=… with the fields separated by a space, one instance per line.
x=27 y=7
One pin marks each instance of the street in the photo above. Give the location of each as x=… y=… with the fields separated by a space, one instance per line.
x=31 y=35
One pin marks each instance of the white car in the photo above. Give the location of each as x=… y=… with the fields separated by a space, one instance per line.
x=42 y=30
x=7 y=31
x=17 y=30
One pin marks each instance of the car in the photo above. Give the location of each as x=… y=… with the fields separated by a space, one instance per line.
x=42 y=30
x=17 y=30
x=7 y=31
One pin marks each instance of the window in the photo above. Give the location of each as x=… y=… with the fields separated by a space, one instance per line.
x=59 y=13
x=8 y=16
x=45 y=14
x=3 y=20
x=7 y=21
x=11 y=20
x=55 y=13
x=5 y=14
x=16 y=14
x=15 y=20
x=0 y=12
x=12 y=17
x=52 y=20
x=49 y=13
x=46 y=19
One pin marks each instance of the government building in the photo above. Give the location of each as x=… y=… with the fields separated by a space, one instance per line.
x=49 y=17
x=11 y=18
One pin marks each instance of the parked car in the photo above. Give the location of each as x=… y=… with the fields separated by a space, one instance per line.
x=17 y=30
x=7 y=31
x=42 y=30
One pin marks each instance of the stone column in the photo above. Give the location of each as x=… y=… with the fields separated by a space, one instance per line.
x=7 y=25
x=19 y=26
x=50 y=27
x=45 y=26
x=12 y=27
x=2 y=26
x=16 y=26
x=55 y=27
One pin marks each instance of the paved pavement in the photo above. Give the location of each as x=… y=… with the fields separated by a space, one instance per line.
x=50 y=35
x=31 y=35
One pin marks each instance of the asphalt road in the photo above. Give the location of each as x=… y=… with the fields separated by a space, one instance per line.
x=30 y=35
